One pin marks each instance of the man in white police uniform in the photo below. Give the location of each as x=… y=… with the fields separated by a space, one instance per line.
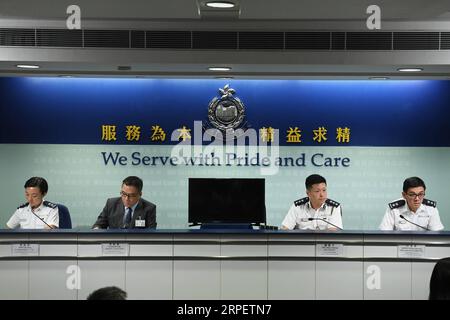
x=413 y=212
x=316 y=211
x=36 y=213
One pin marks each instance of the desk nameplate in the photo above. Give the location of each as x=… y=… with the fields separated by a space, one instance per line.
x=115 y=249
x=25 y=250
x=329 y=250
x=411 y=251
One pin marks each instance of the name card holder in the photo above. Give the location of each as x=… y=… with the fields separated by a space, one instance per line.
x=25 y=250
x=115 y=249
x=411 y=251
x=329 y=250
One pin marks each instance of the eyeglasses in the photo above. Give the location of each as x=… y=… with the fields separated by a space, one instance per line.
x=415 y=195
x=128 y=195
x=33 y=196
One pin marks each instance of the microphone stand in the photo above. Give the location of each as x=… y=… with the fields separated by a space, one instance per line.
x=401 y=216
x=311 y=219
x=40 y=218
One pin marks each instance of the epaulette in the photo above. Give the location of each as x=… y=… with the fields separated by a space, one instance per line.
x=332 y=203
x=301 y=201
x=50 y=204
x=397 y=204
x=429 y=203
x=22 y=206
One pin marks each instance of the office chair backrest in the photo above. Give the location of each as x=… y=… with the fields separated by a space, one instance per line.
x=65 y=222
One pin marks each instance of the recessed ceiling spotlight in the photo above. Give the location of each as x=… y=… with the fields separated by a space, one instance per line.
x=27 y=66
x=220 y=4
x=378 y=78
x=409 y=69
x=219 y=68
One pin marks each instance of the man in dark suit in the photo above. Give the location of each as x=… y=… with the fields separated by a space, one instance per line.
x=129 y=210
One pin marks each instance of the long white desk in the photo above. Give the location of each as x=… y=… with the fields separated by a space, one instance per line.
x=219 y=264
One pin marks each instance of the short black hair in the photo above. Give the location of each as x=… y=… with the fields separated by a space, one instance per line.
x=314 y=179
x=440 y=280
x=37 y=182
x=413 y=182
x=108 y=293
x=134 y=182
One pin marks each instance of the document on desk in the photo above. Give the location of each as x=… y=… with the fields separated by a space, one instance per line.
x=25 y=250
x=411 y=251
x=115 y=249
x=329 y=250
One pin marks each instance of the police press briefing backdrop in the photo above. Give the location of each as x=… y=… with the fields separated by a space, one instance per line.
x=85 y=135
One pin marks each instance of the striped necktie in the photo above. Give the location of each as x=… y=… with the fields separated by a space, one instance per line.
x=127 y=217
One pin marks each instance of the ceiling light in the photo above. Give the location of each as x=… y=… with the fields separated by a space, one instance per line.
x=27 y=66
x=219 y=68
x=224 y=78
x=378 y=78
x=220 y=4
x=410 y=69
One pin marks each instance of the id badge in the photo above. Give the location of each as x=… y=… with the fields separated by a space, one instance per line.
x=139 y=223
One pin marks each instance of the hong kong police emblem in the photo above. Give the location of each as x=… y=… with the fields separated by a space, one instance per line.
x=227 y=114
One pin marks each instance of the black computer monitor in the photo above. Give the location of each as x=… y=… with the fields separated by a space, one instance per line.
x=226 y=201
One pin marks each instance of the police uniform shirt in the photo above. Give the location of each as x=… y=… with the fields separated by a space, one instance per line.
x=300 y=212
x=427 y=215
x=24 y=218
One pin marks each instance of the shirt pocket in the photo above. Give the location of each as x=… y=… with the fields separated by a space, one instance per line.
x=304 y=223
x=24 y=220
x=423 y=220
x=403 y=225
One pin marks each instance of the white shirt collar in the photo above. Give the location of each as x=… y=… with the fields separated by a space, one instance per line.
x=39 y=208
x=323 y=206
x=133 y=207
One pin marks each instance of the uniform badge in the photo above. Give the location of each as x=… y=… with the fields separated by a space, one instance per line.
x=226 y=114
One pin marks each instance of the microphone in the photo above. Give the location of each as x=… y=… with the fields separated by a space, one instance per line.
x=401 y=216
x=41 y=219
x=311 y=219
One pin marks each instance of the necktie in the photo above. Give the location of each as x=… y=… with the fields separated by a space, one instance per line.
x=127 y=217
